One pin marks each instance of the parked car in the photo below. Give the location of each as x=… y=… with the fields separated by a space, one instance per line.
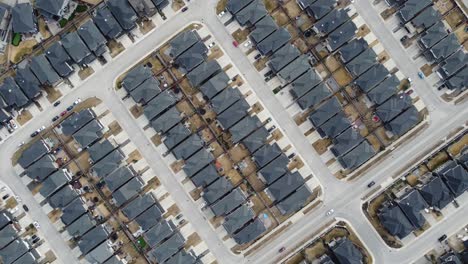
x=420 y=75
x=248 y=43
x=222 y=13
x=21 y=144
x=55 y=118
x=372 y=183
x=442 y=238
x=13 y=124
x=6 y=196
x=330 y=212
x=57 y=103
x=258 y=56
x=36 y=225
x=235 y=43
x=25 y=207
x=185 y=9
x=35 y=133
x=70 y=107
x=63 y=113
x=211 y=45
x=281 y=249
x=268 y=73
x=179 y=216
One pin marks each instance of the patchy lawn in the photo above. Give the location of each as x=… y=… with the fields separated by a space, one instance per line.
x=454 y=18
x=221 y=6
x=85 y=73
x=241 y=35
x=115 y=47
x=24 y=117
x=53 y=94
x=177 y=4
x=23 y=49
x=280 y=17
x=292 y=9
x=146 y=26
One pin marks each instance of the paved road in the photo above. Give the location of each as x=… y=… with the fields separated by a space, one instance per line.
x=345 y=198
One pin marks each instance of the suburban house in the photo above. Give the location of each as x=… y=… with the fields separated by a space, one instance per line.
x=23 y=19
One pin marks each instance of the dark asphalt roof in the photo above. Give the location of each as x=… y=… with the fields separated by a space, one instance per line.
x=159 y=104
x=411 y=7
x=331 y=21
x=72 y=211
x=99 y=150
x=383 y=91
x=89 y=134
x=206 y=176
x=197 y=162
x=305 y=83
x=12 y=94
x=393 y=107
x=274 y=170
x=146 y=91
x=436 y=193
x=284 y=186
x=357 y=156
x=346 y=141
x=233 y=114
x=123 y=12
x=167 y=249
x=238 y=218
x=395 y=222
x=182 y=42
x=341 y=35
x=107 y=23
x=250 y=232
x=295 y=201
x=252 y=13
x=81 y=225
x=167 y=120
x=63 y=197
x=215 y=85
x=362 y=62
x=192 y=57
x=203 y=72
x=59 y=59
x=23 y=20
x=128 y=191
x=54 y=182
x=76 y=121
x=263 y=28
x=283 y=57
x=225 y=99
x=93 y=38
x=235 y=6
x=216 y=190
x=352 y=49
x=372 y=77
x=92 y=239
x=149 y=218
x=135 y=77
x=295 y=69
x=158 y=233
x=43 y=70
x=229 y=202
x=76 y=48
x=412 y=204
x=138 y=206
x=108 y=164
x=314 y=96
x=255 y=140
x=346 y=252
x=119 y=177
x=325 y=111
x=42 y=168
x=186 y=148
x=265 y=154
x=32 y=153
x=28 y=82
x=176 y=135
x=244 y=127
x=274 y=41
x=404 y=122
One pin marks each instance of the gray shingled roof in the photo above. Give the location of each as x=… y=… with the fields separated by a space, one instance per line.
x=72 y=211
x=144 y=8
x=314 y=96
x=192 y=57
x=89 y=134
x=167 y=249
x=362 y=62
x=206 y=176
x=182 y=42
x=13 y=251
x=149 y=218
x=34 y=152
x=456 y=179
x=346 y=252
x=159 y=104
x=183 y=258
x=451 y=65
x=77 y=49
x=7 y=234
x=203 y=72
x=158 y=233
x=23 y=20
x=252 y=13
x=12 y=94
x=176 y=135
x=357 y=156
x=331 y=21
x=244 y=127
x=346 y=141
x=284 y=186
x=295 y=69
x=138 y=206
x=305 y=83
x=404 y=122
x=283 y=57
x=265 y=154
x=92 y=239
x=108 y=164
x=320 y=8
x=229 y=202
x=225 y=99
x=92 y=37
x=372 y=77
x=384 y=90
x=107 y=23
x=412 y=204
x=63 y=197
x=273 y=171
x=215 y=84
x=235 y=6
x=250 y=232
x=59 y=59
x=426 y=18
x=114 y=260
x=459 y=80
x=81 y=225
x=28 y=258
x=325 y=111
x=352 y=49
x=433 y=34
x=238 y=218
x=274 y=41
x=188 y=147
x=341 y=35
x=42 y=168
x=54 y=182
x=123 y=12
x=43 y=70
x=100 y=253
x=263 y=28
x=216 y=190
x=28 y=82
x=167 y=120
x=411 y=8
x=5 y=218
x=255 y=140
x=295 y=201
x=445 y=47
x=50 y=7
x=233 y=114
x=128 y=191
x=395 y=222
x=436 y=193
x=392 y=107
x=100 y=149
x=119 y=177
x=135 y=77
x=198 y=161
x=146 y=90
x=76 y=121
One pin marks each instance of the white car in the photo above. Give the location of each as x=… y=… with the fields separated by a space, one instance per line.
x=221 y=14
x=13 y=124
x=248 y=43
x=36 y=225
x=330 y=212
x=211 y=45
x=21 y=144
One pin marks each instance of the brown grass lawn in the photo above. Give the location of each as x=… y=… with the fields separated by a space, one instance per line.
x=23 y=49
x=24 y=117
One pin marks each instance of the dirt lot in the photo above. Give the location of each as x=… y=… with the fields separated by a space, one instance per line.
x=24 y=48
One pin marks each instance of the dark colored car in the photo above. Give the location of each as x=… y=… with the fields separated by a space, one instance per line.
x=55 y=118
x=442 y=238
x=257 y=56
x=70 y=108
x=35 y=133
x=57 y=103
x=372 y=183
x=63 y=113
x=184 y=9
x=281 y=249
x=25 y=207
